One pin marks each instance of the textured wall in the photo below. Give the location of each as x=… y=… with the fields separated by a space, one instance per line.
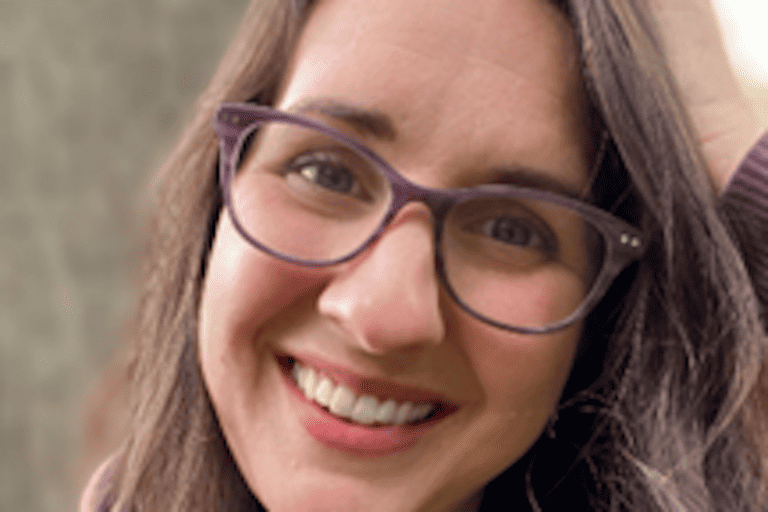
x=91 y=94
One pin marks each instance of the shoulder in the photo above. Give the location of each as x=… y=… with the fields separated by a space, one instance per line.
x=94 y=491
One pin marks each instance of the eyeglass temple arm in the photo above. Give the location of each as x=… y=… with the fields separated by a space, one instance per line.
x=229 y=122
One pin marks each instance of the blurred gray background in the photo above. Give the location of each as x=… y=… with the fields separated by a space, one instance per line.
x=92 y=94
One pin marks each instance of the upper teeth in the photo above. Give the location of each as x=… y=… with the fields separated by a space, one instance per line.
x=366 y=409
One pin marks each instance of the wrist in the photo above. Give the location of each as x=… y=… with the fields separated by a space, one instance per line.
x=725 y=147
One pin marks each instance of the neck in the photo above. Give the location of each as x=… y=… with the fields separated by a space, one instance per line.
x=470 y=505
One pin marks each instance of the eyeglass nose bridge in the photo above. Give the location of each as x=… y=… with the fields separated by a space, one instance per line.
x=405 y=192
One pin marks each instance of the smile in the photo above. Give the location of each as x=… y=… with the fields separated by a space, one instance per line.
x=360 y=416
x=365 y=410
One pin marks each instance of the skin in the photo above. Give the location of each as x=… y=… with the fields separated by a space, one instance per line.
x=437 y=70
x=726 y=122
x=273 y=303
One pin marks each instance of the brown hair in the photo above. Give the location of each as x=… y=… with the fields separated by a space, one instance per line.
x=663 y=411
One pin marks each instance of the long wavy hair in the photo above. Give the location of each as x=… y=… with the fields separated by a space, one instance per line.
x=664 y=410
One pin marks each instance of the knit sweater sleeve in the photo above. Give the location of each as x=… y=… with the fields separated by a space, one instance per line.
x=744 y=208
x=97 y=496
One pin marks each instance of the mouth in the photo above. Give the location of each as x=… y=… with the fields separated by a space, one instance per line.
x=360 y=402
x=361 y=416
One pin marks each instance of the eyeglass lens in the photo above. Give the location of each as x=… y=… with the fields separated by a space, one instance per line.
x=516 y=261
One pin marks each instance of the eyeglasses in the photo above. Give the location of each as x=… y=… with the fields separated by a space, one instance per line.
x=521 y=259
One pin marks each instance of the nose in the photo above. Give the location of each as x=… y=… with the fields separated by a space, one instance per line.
x=388 y=297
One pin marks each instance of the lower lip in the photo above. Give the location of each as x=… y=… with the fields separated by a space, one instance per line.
x=351 y=438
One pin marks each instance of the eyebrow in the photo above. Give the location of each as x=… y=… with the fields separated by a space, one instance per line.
x=364 y=121
x=532 y=178
x=377 y=124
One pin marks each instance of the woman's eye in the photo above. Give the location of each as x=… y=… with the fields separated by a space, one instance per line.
x=517 y=232
x=326 y=172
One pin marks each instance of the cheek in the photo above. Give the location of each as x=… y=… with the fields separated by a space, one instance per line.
x=523 y=375
x=521 y=379
x=539 y=298
x=244 y=289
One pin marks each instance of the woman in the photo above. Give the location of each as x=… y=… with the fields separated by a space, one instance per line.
x=290 y=356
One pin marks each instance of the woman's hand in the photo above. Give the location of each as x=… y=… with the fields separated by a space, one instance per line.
x=724 y=118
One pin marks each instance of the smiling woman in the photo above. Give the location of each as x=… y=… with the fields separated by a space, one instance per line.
x=422 y=256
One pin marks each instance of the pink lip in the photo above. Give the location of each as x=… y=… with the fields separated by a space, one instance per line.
x=363 y=441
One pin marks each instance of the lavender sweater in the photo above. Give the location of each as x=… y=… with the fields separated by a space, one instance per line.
x=744 y=207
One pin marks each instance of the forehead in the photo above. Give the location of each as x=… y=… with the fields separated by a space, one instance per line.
x=490 y=73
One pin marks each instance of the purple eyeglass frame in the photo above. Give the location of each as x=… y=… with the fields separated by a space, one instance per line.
x=234 y=122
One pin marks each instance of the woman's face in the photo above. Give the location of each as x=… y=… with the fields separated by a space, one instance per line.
x=468 y=87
